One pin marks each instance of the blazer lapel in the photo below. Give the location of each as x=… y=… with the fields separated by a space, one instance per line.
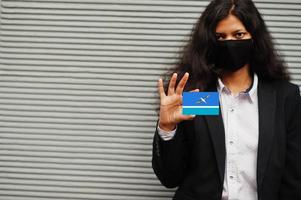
x=216 y=129
x=217 y=132
x=266 y=111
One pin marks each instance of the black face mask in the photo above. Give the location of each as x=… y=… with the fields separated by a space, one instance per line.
x=232 y=55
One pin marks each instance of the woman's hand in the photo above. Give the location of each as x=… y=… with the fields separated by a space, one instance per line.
x=171 y=104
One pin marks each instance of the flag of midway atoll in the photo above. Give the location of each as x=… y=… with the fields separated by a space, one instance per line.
x=200 y=103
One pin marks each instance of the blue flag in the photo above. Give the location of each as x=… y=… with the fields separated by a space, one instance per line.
x=200 y=103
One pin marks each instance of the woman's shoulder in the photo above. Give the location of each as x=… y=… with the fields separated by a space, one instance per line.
x=283 y=87
x=286 y=84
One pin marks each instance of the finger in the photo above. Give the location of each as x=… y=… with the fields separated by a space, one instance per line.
x=181 y=100
x=195 y=90
x=182 y=84
x=172 y=83
x=161 y=89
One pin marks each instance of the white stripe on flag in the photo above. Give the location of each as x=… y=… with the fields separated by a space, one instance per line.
x=200 y=106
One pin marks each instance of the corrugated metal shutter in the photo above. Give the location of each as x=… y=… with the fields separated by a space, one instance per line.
x=78 y=91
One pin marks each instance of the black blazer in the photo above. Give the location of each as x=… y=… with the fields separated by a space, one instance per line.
x=194 y=160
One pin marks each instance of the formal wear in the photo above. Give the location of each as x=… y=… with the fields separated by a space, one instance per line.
x=245 y=153
x=241 y=139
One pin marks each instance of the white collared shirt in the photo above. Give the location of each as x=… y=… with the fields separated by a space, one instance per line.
x=240 y=118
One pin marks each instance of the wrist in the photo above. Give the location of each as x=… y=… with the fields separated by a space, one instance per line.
x=167 y=127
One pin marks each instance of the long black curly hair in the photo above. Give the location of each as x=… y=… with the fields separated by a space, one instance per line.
x=197 y=58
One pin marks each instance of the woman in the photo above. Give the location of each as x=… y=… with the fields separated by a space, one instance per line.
x=252 y=150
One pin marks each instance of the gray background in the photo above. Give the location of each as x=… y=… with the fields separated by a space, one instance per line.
x=78 y=86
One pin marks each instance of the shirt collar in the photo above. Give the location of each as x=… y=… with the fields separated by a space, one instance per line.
x=250 y=91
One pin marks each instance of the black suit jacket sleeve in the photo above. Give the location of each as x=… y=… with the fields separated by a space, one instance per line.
x=169 y=159
x=291 y=181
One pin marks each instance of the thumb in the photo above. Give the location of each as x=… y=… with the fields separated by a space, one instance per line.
x=188 y=117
